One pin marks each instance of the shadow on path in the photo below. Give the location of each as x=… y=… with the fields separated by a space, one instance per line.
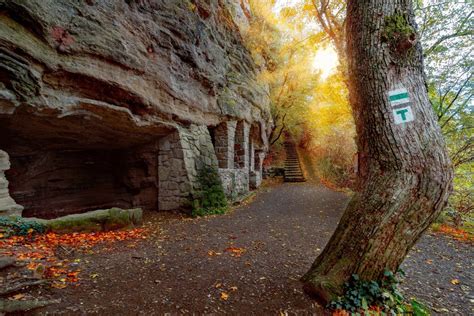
x=246 y=262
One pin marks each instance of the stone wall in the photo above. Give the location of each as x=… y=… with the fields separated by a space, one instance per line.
x=256 y=175
x=235 y=182
x=242 y=145
x=7 y=205
x=174 y=187
x=235 y=154
x=182 y=155
x=224 y=143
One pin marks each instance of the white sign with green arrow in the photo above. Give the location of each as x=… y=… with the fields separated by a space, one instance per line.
x=400 y=100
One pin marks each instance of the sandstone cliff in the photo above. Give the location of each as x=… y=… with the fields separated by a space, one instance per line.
x=85 y=81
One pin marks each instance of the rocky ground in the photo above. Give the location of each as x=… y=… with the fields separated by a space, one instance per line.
x=246 y=262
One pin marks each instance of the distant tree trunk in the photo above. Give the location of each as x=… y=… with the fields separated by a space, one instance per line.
x=405 y=173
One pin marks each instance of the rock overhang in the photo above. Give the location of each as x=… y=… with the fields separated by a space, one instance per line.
x=107 y=81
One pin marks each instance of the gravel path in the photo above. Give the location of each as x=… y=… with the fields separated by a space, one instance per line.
x=247 y=262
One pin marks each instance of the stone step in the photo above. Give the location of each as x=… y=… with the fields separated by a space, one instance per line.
x=293 y=172
x=300 y=179
x=294 y=175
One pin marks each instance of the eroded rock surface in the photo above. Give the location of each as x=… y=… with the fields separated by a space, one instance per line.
x=7 y=205
x=89 y=87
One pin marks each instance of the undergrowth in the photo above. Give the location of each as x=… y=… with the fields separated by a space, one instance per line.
x=362 y=297
x=210 y=199
x=16 y=226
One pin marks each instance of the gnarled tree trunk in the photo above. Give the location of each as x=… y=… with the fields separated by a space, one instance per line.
x=405 y=172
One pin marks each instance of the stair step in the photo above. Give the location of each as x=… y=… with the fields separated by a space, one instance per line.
x=295 y=180
x=293 y=172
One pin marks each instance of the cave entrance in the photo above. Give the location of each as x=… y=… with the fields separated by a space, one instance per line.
x=60 y=169
x=55 y=183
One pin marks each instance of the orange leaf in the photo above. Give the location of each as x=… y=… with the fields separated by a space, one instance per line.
x=224 y=296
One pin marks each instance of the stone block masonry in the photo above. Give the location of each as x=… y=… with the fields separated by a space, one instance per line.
x=182 y=154
x=224 y=135
x=187 y=150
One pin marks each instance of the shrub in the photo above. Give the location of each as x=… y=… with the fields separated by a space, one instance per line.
x=17 y=226
x=365 y=297
x=210 y=199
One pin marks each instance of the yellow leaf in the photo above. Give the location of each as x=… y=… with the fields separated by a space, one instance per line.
x=18 y=296
x=59 y=285
x=455 y=281
x=224 y=296
x=94 y=275
x=218 y=285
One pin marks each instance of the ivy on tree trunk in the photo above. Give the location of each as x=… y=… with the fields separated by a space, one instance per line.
x=405 y=173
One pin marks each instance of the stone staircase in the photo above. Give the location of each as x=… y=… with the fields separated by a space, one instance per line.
x=293 y=172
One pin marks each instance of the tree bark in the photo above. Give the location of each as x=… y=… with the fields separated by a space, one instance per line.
x=404 y=172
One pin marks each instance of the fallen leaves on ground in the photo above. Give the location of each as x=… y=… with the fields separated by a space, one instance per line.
x=235 y=251
x=40 y=252
x=456 y=233
x=212 y=253
x=373 y=310
x=224 y=296
x=455 y=281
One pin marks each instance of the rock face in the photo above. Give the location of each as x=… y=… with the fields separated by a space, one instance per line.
x=119 y=103
x=7 y=205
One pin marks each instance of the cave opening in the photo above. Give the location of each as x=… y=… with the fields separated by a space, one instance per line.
x=73 y=167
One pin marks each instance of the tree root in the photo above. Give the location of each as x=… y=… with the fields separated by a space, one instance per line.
x=21 y=286
x=5 y=262
x=8 y=306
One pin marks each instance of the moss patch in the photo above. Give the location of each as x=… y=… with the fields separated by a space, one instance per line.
x=100 y=220
x=398 y=33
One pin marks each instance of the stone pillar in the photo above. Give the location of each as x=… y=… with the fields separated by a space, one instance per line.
x=252 y=155
x=224 y=135
x=260 y=156
x=242 y=145
x=256 y=174
x=8 y=206
x=173 y=182
x=182 y=155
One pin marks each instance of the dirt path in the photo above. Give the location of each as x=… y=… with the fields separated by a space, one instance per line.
x=246 y=262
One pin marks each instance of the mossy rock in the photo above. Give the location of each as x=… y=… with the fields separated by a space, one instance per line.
x=100 y=220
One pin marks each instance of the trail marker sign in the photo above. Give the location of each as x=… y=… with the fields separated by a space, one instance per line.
x=403 y=115
x=400 y=100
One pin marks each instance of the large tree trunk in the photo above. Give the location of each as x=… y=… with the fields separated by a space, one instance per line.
x=405 y=173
